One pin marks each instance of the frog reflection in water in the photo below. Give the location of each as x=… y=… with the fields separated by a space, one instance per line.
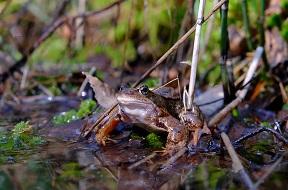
x=162 y=114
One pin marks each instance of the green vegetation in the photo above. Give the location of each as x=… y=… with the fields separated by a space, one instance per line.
x=152 y=82
x=266 y=124
x=284 y=30
x=285 y=107
x=86 y=107
x=274 y=21
x=20 y=138
x=71 y=170
x=208 y=176
x=154 y=141
x=260 y=152
x=235 y=113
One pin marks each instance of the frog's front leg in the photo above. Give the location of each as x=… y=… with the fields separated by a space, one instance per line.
x=105 y=130
x=177 y=134
x=107 y=126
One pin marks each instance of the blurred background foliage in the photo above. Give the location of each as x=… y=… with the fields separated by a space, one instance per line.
x=133 y=31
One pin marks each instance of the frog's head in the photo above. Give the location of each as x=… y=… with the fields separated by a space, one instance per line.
x=138 y=102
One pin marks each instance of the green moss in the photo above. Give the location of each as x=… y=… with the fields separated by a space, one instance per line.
x=65 y=117
x=18 y=139
x=86 y=107
x=20 y=128
x=154 y=141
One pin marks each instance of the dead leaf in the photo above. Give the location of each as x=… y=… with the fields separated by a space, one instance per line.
x=104 y=94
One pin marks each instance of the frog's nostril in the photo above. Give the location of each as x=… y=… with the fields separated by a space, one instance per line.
x=123 y=87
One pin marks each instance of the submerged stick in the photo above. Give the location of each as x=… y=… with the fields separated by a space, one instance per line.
x=174 y=157
x=237 y=166
x=269 y=171
x=142 y=161
x=259 y=130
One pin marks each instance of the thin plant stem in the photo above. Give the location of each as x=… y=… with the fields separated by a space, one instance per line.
x=227 y=79
x=208 y=32
x=247 y=24
x=124 y=59
x=79 y=25
x=195 y=56
x=261 y=29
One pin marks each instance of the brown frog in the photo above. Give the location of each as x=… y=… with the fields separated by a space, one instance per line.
x=158 y=113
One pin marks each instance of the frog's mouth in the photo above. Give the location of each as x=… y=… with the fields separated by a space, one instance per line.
x=133 y=106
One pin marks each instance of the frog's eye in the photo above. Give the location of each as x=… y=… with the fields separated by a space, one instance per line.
x=144 y=90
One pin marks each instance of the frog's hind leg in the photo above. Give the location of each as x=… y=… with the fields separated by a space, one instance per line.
x=196 y=136
x=198 y=133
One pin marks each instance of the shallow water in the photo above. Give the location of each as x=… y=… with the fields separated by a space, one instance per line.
x=64 y=163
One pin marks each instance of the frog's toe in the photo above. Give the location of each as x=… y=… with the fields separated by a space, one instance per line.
x=167 y=152
x=206 y=130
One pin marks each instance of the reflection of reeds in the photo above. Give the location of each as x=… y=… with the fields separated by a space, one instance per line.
x=227 y=79
x=246 y=23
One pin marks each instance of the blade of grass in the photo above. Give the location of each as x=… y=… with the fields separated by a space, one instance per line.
x=246 y=24
x=227 y=79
